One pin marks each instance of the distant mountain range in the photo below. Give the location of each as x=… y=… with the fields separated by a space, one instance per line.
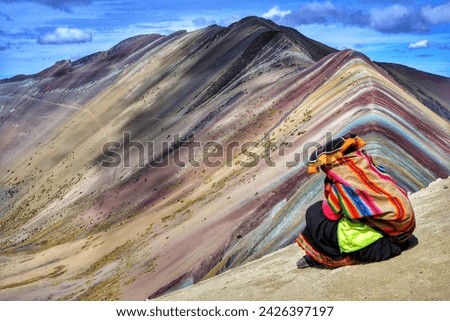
x=168 y=159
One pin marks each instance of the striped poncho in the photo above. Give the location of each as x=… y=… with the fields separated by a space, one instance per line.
x=356 y=191
x=360 y=190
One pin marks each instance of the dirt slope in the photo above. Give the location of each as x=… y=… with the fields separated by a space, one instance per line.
x=420 y=273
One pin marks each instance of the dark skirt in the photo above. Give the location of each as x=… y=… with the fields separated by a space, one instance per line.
x=319 y=240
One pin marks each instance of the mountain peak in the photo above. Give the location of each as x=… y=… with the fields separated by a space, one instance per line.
x=253 y=20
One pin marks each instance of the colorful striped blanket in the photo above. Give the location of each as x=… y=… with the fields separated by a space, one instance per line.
x=358 y=189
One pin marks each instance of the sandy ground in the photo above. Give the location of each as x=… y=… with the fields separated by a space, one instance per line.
x=420 y=273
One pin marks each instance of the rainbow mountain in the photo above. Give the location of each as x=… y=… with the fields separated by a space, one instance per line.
x=166 y=160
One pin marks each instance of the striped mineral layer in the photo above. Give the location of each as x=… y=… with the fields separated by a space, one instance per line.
x=169 y=159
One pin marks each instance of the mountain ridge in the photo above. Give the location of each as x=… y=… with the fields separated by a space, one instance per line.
x=432 y=93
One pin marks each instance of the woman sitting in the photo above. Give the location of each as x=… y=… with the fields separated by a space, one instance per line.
x=365 y=217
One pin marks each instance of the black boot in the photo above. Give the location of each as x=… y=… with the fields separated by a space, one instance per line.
x=307 y=261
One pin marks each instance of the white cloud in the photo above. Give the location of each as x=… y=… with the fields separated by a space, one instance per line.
x=380 y=16
x=398 y=19
x=438 y=14
x=64 y=35
x=387 y=18
x=317 y=6
x=418 y=44
x=275 y=12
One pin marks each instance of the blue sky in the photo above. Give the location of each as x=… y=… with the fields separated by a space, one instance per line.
x=34 y=34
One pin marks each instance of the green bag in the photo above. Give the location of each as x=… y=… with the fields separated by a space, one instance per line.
x=353 y=235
